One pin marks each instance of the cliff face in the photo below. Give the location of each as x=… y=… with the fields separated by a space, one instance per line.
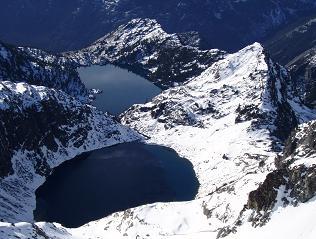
x=303 y=72
x=295 y=173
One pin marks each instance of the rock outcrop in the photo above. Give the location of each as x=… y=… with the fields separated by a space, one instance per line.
x=36 y=67
x=291 y=184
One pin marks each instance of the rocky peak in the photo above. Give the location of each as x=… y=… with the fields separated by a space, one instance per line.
x=230 y=122
x=247 y=85
x=144 y=47
x=138 y=30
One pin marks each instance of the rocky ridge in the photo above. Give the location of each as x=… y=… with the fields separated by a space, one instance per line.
x=143 y=47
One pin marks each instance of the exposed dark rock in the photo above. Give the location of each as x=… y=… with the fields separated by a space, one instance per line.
x=225 y=231
x=247 y=112
x=36 y=67
x=190 y=38
x=36 y=127
x=298 y=179
x=302 y=181
x=286 y=120
x=264 y=198
x=305 y=138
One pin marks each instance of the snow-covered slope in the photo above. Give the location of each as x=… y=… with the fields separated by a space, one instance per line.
x=39 y=129
x=237 y=102
x=287 y=193
x=145 y=48
x=231 y=123
x=36 y=67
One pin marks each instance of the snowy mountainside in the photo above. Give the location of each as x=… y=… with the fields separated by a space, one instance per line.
x=36 y=67
x=145 y=48
x=245 y=92
x=230 y=122
x=288 y=192
x=41 y=128
x=297 y=166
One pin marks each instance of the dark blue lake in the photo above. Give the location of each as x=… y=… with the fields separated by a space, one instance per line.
x=96 y=184
x=113 y=179
x=121 y=88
